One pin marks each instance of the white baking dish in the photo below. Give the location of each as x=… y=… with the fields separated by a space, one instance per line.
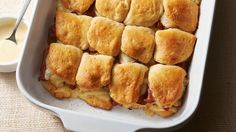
x=78 y=116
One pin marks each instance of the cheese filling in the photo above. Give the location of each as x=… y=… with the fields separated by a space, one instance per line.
x=53 y=78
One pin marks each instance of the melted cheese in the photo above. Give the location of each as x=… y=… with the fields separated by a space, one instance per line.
x=153 y=109
x=53 y=78
x=125 y=59
x=97 y=98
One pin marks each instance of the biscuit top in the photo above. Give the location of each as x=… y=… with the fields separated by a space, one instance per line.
x=167 y=84
x=72 y=29
x=173 y=46
x=104 y=36
x=94 y=71
x=182 y=14
x=79 y=6
x=114 y=9
x=144 y=12
x=126 y=82
x=63 y=60
x=138 y=43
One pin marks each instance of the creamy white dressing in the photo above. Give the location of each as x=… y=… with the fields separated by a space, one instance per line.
x=9 y=51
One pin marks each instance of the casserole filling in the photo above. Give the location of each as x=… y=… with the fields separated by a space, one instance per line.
x=97 y=98
x=54 y=79
x=123 y=58
x=152 y=108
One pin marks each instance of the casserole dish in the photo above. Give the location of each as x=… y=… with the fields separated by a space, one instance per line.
x=75 y=114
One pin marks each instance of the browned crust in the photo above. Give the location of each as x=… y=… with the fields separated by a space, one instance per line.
x=167 y=84
x=144 y=12
x=114 y=9
x=77 y=5
x=104 y=36
x=94 y=71
x=173 y=46
x=126 y=83
x=138 y=43
x=182 y=14
x=64 y=60
x=72 y=29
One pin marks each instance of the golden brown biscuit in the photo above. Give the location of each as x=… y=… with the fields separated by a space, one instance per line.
x=127 y=80
x=166 y=83
x=144 y=12
x=138 y=43
x=114 y=9
x=79 y=6
x=173 y=46
x=94 y=71
x=72 y=29
x=62 y=63
x=181 y=14
x=104 y=36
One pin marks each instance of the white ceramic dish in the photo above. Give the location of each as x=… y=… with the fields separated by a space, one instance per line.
x=78 y=116
x=10 y=66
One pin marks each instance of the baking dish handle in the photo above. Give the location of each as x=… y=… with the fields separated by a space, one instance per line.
x=82 y=123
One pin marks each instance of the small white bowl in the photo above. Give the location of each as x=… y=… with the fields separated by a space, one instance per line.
x=11 y=66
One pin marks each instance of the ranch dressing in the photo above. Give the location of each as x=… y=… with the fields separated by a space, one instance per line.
x=9 y=51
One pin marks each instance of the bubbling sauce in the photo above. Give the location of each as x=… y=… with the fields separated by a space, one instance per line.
x=9 y=51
